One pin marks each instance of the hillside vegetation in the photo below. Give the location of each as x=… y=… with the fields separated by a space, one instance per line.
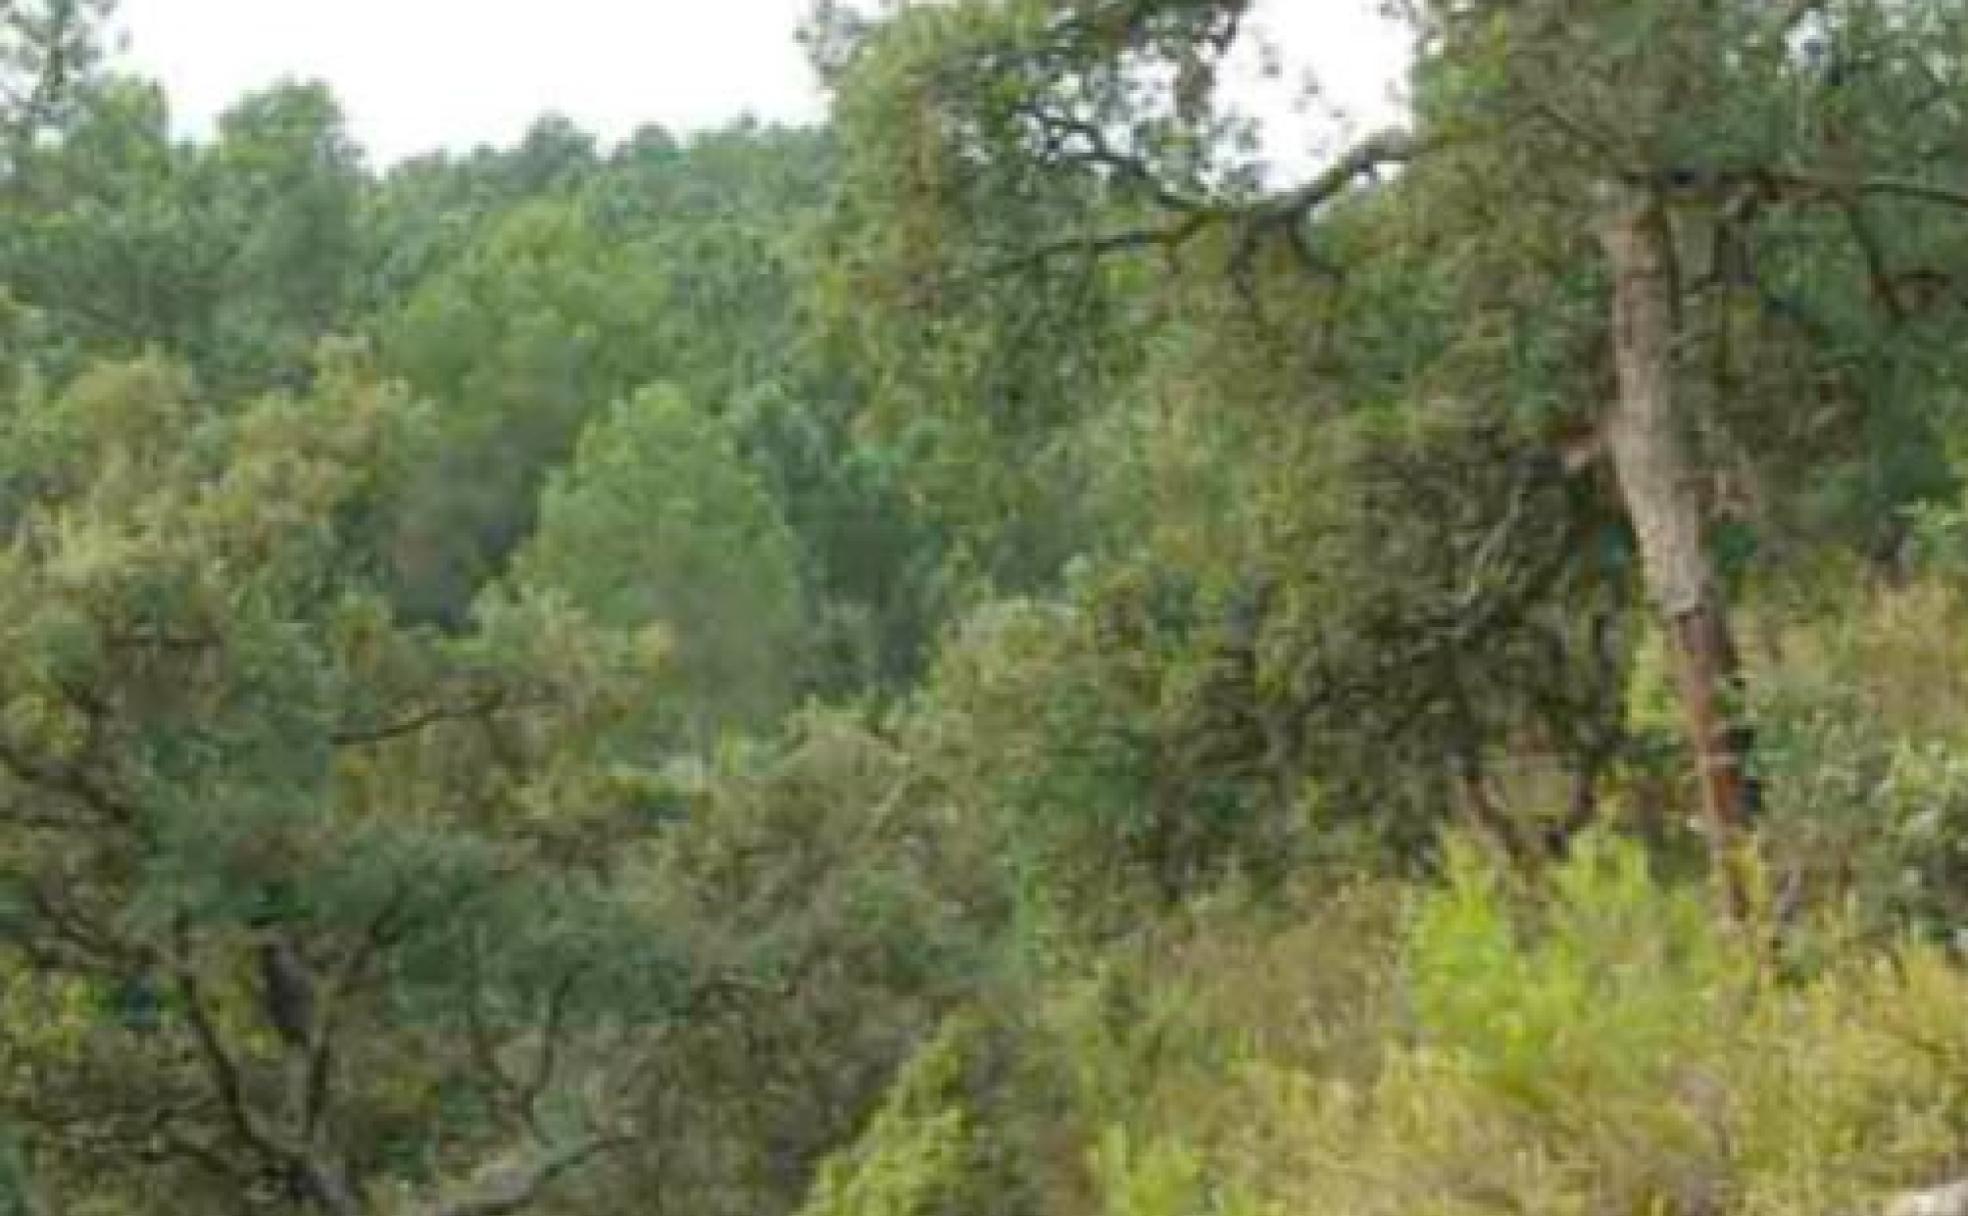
x=999 y=656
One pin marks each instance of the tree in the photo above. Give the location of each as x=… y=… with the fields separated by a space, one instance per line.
x=861 y=899
x=298 y=907
x=48 y=48
x=871 y=572
x=658 y=522
x=1689 y=140
x=536 y=328
x=1564 y=164
x=285 y=182
x=112 y=249
x=524 y=316
x=974 y=360
x=237 y=256
x=731 y=218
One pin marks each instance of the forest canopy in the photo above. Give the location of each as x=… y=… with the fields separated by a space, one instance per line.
x=1000 y=654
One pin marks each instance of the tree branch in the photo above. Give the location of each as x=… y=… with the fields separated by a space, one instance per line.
x=1378 y=151
x=221 y=1069
x=553 y=1026
x=1059 y=130
x=319 y=1076
x=477 y=1037
x=1807 y=185
x=1879 y=274
x=1093 y=246
x=516 y=1189
x=1387 y=148
x=369 y=736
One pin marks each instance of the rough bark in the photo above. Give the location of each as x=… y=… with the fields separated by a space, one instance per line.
x=1661 y=489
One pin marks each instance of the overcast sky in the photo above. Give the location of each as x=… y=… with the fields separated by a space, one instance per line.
x=421 y=74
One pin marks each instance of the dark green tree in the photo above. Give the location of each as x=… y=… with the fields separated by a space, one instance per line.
x=48 y=52
x=659 y=523
x=299 y=909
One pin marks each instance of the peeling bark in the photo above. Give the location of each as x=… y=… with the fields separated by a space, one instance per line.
x=1661 y=490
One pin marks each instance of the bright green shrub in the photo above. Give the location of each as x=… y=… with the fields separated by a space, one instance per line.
x=1159 y=1178
x=1613 y=1047
x=971 y=1127
x=1599 y=1042
x=1617 y=981
x=912 y=1160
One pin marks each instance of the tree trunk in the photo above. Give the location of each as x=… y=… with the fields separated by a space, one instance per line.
x=1662 y=494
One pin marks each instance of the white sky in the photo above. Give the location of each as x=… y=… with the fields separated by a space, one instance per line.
x=421 y=74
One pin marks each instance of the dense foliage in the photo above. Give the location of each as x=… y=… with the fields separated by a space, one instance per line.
x=1000 y=656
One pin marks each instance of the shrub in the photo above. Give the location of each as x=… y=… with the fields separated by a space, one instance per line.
x=1866 y=762
x=1602 y=1043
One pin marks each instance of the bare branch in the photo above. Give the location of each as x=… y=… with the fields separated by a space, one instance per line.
x=1382 y=150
